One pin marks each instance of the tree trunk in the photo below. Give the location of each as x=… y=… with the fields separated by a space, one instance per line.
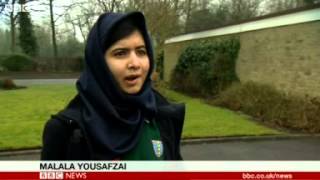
x=13 y=33
x=81 y=30
x=54 y=43
x=188 y=13
x=13 y=29
x=113 y=3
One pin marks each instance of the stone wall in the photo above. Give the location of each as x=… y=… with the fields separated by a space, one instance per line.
x=286 y=57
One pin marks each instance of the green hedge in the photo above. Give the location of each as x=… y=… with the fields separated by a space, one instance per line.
x=18 y=62
x=272 y=107
x=159 y=64
x=206 y=67
x=8 y=84
x=2 y=58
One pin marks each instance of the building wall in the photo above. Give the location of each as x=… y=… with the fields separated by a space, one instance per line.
x=286 y=57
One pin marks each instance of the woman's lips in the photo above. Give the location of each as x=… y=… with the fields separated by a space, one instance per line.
x=132 y=79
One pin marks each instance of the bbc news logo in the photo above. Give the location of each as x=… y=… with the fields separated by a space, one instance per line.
x=51 y=175
x=63 y=175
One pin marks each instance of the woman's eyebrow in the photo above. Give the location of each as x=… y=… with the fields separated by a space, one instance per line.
x=142 y=46
x=125 y=48
x=120 y=49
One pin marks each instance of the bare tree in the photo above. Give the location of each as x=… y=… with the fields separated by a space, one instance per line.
x=13 y=18
x=82 y=16
x=244 y=9
x=110 y=5
x=53 y=30
x=8 y=9
x=188 y=11
x=281 y=5
x=53 y=20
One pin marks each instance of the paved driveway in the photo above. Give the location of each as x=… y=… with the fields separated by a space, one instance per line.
x=25 y=82
x=297 y=148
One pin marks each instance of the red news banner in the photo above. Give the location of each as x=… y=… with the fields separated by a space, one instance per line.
x=162 y=175
x=172 y=170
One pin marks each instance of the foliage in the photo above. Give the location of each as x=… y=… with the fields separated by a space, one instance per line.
x=5 y=42
x=27 y=38
x=43 y=36
x=206 y=67
x=242 y=10
x=221 y=13
x=60 y=64
x=200 y=20
x=162 y=18
x=79 y=63
x=24 y=113
x=70 y=47
x=159 y=64
x=8 y=84
x=272 y=107
x=203 y=120
x=282 y=5
x=2 y=58
x=18 y=62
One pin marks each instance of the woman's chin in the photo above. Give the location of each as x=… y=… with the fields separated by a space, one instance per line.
x=132 y=90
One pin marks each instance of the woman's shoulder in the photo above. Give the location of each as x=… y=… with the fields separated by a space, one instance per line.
x=169 y=114
x=160 y=99
x=56 y=127
x=61 y=122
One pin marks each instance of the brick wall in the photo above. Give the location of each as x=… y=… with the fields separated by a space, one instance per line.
x=286 y=57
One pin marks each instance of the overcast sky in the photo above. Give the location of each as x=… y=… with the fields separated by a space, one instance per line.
x=40 y=16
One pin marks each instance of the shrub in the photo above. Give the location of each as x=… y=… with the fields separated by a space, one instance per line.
x=7 y=84
x=18 y=62
x=27 y=38
x=2 y=58
x=60 y=64
x=159 y=64
x=272 y=107
x=79 y=63
x=206 y=67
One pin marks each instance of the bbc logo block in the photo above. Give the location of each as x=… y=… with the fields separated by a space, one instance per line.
x=51 y=175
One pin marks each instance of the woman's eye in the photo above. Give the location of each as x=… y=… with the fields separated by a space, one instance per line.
x=120 y=53
x=141 y=52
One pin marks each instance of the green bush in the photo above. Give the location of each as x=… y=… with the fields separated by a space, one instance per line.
x=79 y=63
x=206 y=67
x=27 y=38
x=272 y=107
x=2 y=58
x=7 y=84
x=159 y=64
x=18 y=62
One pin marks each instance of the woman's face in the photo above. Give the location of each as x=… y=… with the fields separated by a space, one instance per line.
x=128 y=62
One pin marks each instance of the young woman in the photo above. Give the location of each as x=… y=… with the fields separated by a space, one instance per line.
x=116 y=114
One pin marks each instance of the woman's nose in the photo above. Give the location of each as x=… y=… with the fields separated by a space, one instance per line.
x=134 y=61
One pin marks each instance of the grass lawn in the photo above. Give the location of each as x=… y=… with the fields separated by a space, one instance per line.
x=203 y=120
x=23 y=113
